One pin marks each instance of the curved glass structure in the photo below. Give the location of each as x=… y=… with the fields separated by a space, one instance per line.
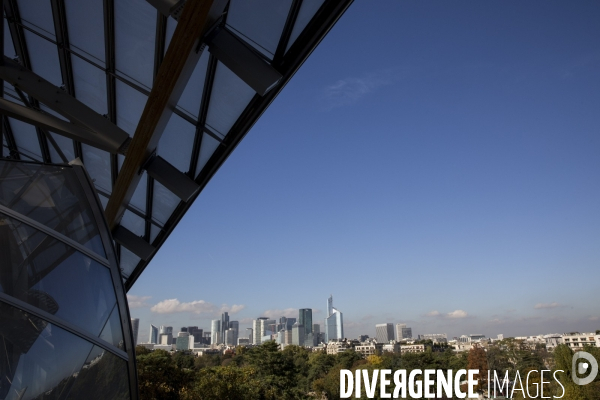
x=63 y=330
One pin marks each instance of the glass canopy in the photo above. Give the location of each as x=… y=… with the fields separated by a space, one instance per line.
x=78 y=75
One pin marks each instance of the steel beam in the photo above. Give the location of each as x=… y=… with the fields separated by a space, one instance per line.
x=71 y=108
x=133 y=243
x=243 y=61
x=182 y=56
x=171 y=178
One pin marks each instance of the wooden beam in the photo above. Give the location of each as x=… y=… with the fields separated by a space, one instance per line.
x=179 y=62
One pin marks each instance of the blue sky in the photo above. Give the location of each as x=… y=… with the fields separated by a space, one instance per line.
x=434 y=163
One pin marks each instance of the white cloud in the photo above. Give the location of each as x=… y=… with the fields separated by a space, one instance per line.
x=171 y=306
x=137 y=301
x=457 y=314
x=433 y=314
x=542 y=306
x=350 y=90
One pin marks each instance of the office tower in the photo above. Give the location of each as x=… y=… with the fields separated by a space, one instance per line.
x=250 y=338
x=287 y=338
x=305 y=319
x=230 y=337
x=318 y=337
x=256 y=330
x=184 y=341
x=197 y=333
x=235 y=326
x=298 y=334
x=402 y=332
x=153 y=334
x=215 y=329
x=165 y=334
x=384 y=332
x=183 y=329
x=334 y=322
x=286 y=323
x=224 y=325
x=135 y=327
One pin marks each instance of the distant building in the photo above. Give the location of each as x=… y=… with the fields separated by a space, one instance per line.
x=305 y=319
x=230 y=337
x=196 y=333
x=553 y=340
x=403 y=332
x=235 y=326
x=184 y=341
x=576 y=341
x=165 y=335
x=135 y=328
x=334 y=322
x=337 y=347
x=215 y=329
x=286 y=323
x=370 y=349
x=153 y=334
x=243 y=341
x=260 y=329
x=384 y=332
x=224 y=325
x=298 y=334
x=434 y=337
x=362 y=338
x=412 y=348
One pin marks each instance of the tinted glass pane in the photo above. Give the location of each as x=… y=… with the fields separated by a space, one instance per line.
x=103 y=376
x=97 y=164
x=154 y=231
x=85 y=23
x=130 y=104
x=44 y=58
x=90 y=85
x=229 y=97
x=163 y=203
x=259 y=22
x=128 y=262
x=36 y=356
x=134 y=223
x=177 y=142
x=192 y=94
x=52 y=276
x=138 y=200
x=52 y=196
x=38 y=360
x=112 y=332
x=207 y=148
x=9 y=49
x=307 y=11
x=39 y=17
x=26 y=139
x=66 y=146
x=135 y=29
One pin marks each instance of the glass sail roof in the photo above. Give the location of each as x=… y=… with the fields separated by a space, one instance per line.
x=107 y=54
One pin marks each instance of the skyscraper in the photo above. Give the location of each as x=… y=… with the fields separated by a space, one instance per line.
x=305 y=319
x=402 y=332
x=153 y=334
x=334 y=322
x=235 y=327
x=215 y=331
x=256 y=330
x=224 y=325
x=298 y=334
x=165 y=334
x=135 y=328
x=384 y=332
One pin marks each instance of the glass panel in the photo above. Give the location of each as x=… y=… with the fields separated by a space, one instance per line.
x=130 y=104
x=66 y=146
x=36 y=356
x=9 y=49
x=154 y=231
x=134 y=223
x=207 y=148
x=90 y=85
x=138 y=200
x=260 y=22
x=135 y=29
x=171 y=25
x=52 y=196
x=177 y=143
x=26 y=138
x=192 y=95
x=128 y=262
x=44 y=58
x=103 y=201
x=48 y=274
x=97 y=164
x=112 y=332
x=163 y=203
x=230 y=96
x=37 y=17
x=85 y=23
x=307 y=10
x=104 y=375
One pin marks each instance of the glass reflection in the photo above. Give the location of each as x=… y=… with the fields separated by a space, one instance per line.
x=52 y=196
x=41 y=361
x=48 y=274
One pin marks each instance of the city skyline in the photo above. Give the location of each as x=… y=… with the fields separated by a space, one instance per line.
x=409 y=176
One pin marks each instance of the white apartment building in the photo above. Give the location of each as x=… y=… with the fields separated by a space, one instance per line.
x=412 y=348
x=576 y=341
